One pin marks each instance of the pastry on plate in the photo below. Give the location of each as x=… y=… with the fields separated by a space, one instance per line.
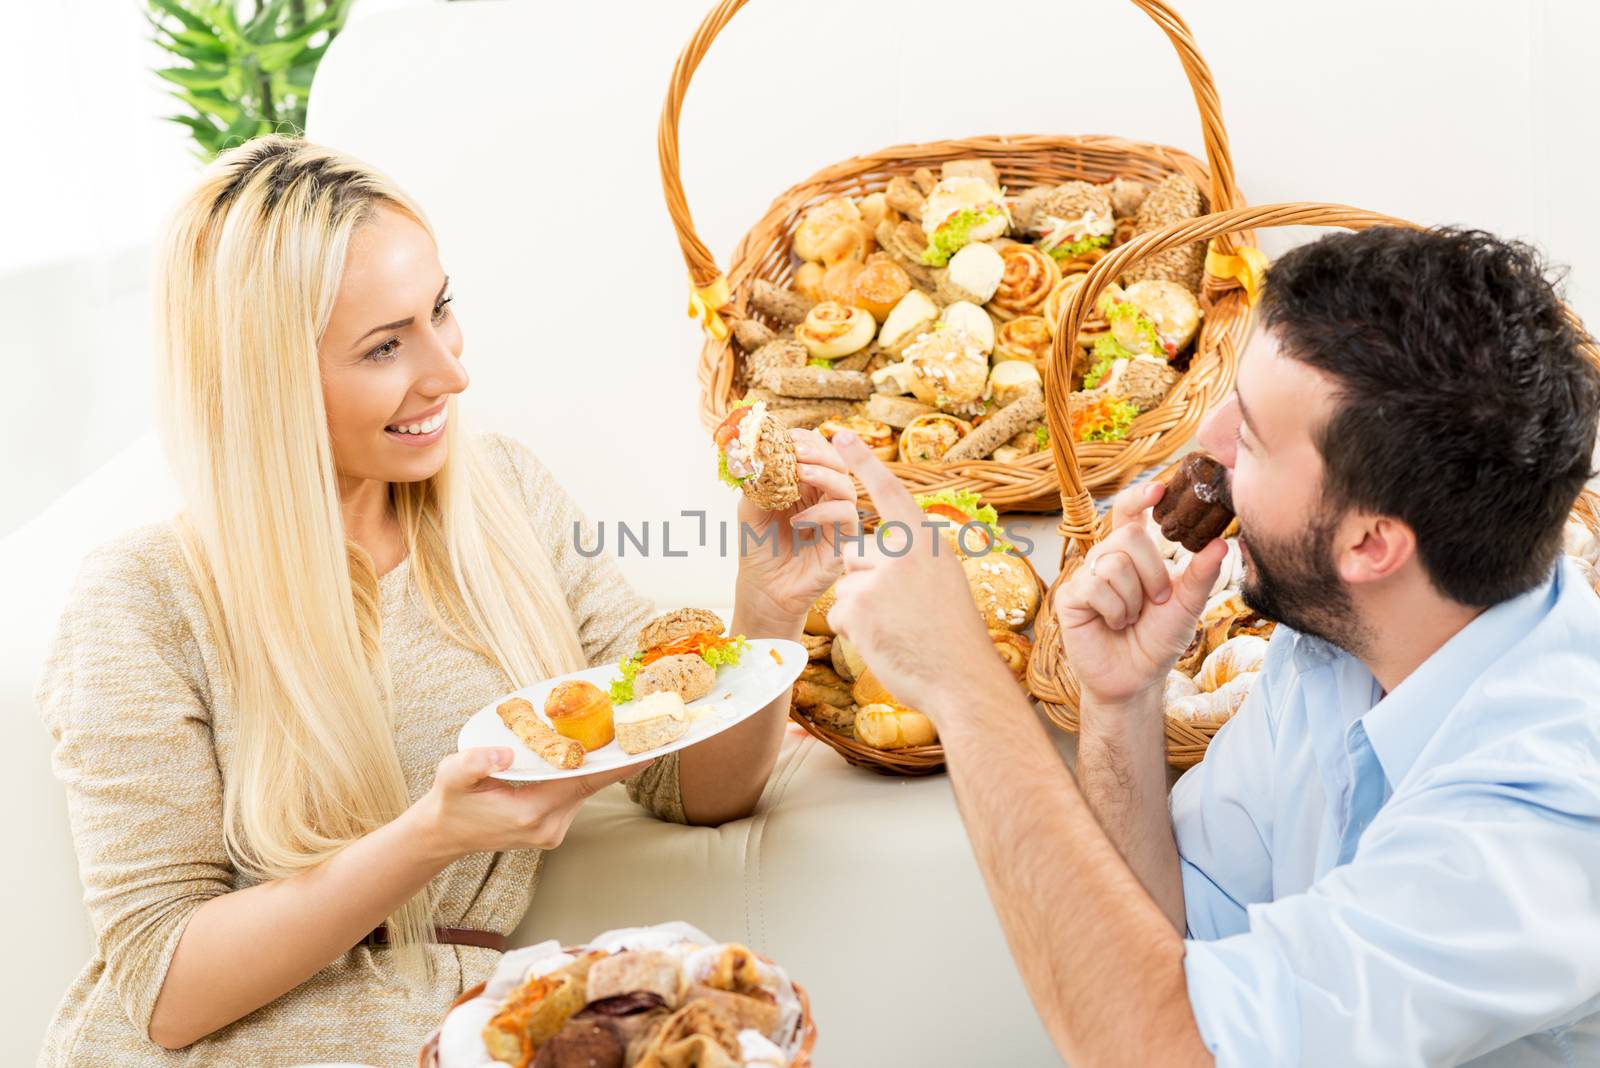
x=519 y=716
x=651 y=722
x=756 y=455
x=581 y=711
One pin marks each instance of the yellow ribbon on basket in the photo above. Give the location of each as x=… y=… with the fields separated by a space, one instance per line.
x=1248 y=267
x=706 y=301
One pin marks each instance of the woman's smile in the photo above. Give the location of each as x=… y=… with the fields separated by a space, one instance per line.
x=421 y=429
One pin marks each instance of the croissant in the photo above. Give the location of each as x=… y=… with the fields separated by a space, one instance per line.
x=1231 y=659
x=1216 y=706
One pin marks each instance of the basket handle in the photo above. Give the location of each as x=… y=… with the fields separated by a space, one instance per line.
x=1080 y=526
x=708 y=287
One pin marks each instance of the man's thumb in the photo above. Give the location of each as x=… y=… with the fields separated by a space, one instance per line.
x=1193 y=587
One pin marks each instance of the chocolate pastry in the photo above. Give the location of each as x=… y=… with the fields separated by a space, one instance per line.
x=582 y=1044
x=1197 y=506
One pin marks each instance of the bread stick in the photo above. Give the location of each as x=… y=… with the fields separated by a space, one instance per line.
x=537 y=735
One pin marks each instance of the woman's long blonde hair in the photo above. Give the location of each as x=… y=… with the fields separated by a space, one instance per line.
x=246 y=280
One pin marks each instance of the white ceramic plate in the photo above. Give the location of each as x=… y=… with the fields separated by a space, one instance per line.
x=758 y=679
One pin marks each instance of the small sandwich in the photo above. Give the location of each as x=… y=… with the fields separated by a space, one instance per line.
x=1155 y=319
x=962 y=210
x=651 y=722
x=1073 y=220
x=679 y=653
x=961 y=509
x=756 y=455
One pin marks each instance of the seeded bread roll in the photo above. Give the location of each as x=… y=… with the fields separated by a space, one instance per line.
x=999 y=428
x=1175 y=199
x=814 y=382
x=677 y=625
x=685 y=674
x=1003 y=589
x=784 y=305
x=751 y=334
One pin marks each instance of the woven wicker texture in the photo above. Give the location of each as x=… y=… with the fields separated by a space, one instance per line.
x=1029 y=483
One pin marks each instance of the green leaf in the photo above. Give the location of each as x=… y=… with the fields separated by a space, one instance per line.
x=190 y=20
x=205 y=134
x=260 y=28
x=196 y=77
x=279 y=56
x=212 y=104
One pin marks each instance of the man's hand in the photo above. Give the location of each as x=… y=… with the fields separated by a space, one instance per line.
x=1124 y=619
x=904 y=602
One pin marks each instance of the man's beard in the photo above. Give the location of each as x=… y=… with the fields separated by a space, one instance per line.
x=1296 y=583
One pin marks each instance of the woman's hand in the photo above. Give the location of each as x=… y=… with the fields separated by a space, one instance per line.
x=468 y=811
x=791 y=557
x=910 y=613
x=1124 y=619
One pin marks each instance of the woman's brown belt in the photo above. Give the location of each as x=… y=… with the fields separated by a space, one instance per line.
x=452 y=936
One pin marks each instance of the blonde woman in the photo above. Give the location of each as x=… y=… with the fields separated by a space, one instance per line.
x=255 y=705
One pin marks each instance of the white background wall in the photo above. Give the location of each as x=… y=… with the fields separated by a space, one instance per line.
x=1465 y=111
x=1441 y=110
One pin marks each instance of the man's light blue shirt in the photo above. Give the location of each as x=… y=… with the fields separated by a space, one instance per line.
x=1410 y=879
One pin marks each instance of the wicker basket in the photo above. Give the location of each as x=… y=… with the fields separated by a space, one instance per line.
x=1049 y=677
x=428 y=1057
x=912 y=760
x=1029 y=483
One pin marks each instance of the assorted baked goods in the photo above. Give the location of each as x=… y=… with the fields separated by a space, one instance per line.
x=906 y=301
x=651 y=997
x=645 y=706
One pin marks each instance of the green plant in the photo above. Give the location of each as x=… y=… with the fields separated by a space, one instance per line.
x=246 y=65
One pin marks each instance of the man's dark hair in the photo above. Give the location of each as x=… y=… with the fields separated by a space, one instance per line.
x=1466 y=406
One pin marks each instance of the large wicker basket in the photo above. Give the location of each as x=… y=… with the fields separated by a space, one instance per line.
x=428 y=1056
x=1028 y=484
x=912 y=760
x=1049 y=677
